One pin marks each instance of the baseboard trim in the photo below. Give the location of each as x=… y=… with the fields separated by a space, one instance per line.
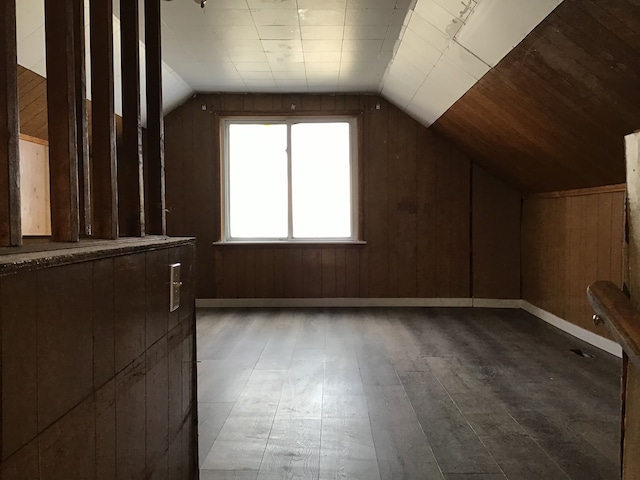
x=591 y=338
x=331 y=302
x=497 y=303
x=585 y=335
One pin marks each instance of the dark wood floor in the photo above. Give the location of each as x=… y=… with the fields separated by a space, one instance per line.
x=387 y=394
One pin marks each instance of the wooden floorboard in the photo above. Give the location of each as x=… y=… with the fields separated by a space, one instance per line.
x=414 y=393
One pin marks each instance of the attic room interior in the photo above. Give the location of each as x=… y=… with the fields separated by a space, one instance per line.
x=191 y=286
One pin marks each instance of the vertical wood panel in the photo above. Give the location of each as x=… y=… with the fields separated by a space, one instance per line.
x=328 y=272
x=61 y=101
x=568 y=241
x=406 y=208
x=157 y=222
x=426 y=178
x=103 y=127
x=10 y=223
x=496 y=237
x=130 y=166
x=376 y=200
x=84 y=172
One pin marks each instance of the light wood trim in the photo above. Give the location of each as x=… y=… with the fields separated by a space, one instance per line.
x=619 y=187
x=10 y=219
x=38 y=141
x=61 y=111
x=130 y=164
x=156 y=223
x=103 y=125
x=619 y=314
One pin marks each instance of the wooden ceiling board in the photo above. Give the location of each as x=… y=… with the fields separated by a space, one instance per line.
x=552 y=115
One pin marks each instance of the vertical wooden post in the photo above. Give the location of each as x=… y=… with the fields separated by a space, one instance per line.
x=10 y=221
x=157 y=221
x=61 y=111
x=130 y=169
x=84 y=173
x=631 y=374
x=103 y=123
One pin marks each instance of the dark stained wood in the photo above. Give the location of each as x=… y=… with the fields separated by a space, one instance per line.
x=84 y=171
x=622 y=318
x=61 y=101
x=552 y=115
x=10 y=221
x=130 y=173
x=415 y=209
x=32 y=93
x=156 y=223
x=496 y=237
x=103 y=127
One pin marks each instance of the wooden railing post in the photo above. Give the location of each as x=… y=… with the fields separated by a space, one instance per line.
x=103 y=123
x=84 y=173
x=157 y=221
x=61 y=108
x=10 y=222
x=130 y=170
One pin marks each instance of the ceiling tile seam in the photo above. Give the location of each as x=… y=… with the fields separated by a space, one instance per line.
x=342 y=61
x=405 y=24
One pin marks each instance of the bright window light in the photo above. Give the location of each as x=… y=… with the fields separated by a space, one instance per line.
x=321 y=180
x=289 y=179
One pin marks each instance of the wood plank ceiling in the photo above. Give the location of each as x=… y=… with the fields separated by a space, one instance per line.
x=552 y=115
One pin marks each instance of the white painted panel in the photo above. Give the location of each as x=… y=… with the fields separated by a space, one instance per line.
x=318 y=16
x=400 y=89
x=279 y=32
x=272 y=16
x=437 y=16
x=442 y=88
x=466 y=60
x=29 y=16
x=497 y=26
x=428 y=32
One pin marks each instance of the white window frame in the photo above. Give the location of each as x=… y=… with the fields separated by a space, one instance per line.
x=289 y=121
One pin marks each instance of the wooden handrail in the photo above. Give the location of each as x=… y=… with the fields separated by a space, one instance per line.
x=623 y=320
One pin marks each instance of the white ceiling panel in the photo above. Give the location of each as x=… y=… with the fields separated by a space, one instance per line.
x=497 y=26
x=421 y=54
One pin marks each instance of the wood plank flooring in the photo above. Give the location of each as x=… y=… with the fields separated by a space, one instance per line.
x=384 y=394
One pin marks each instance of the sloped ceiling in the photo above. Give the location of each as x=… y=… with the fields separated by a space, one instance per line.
x=549 y=115
x=552 y=115
x=32 y=55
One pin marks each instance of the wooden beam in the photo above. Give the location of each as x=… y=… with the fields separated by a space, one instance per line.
x=84 y=174
x=103 y=123
x=10 y=221
x=157 y=220
x=61 y=111
x=130 y=168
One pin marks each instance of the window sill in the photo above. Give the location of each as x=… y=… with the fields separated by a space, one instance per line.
x=284 y=243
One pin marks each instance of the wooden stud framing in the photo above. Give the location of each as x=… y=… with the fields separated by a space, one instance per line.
x=84 y=173
x=130 y=168
x=157 y=219
x=103 y=126
x=10 y=222
x=61 y=101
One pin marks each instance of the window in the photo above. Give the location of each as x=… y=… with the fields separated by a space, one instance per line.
x=289 y=179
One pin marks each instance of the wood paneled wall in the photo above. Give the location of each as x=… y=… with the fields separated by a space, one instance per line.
x=570 y=239
x=97 y=375
x=416 y=208
x=495 y=237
